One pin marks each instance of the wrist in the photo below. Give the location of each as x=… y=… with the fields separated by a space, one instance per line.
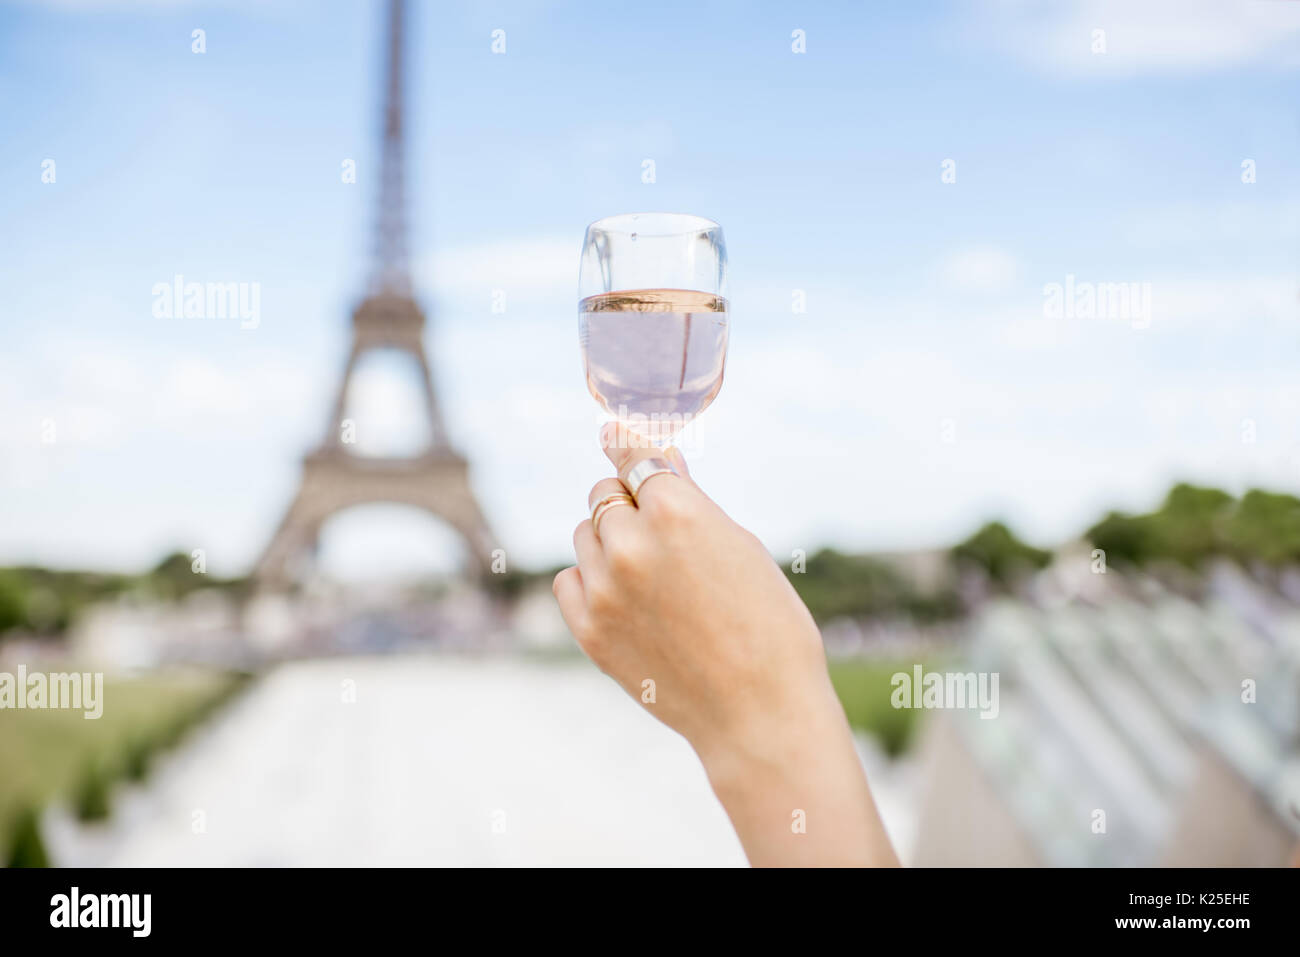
x=778 y=745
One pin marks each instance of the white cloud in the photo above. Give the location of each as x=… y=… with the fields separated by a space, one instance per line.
x=1252 y=303
x=1155 y=36
x=1197 y=223
x=982 y=269
x=527 y=269
x=149 y=446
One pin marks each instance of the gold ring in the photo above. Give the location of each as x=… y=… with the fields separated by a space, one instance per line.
x=612 y=500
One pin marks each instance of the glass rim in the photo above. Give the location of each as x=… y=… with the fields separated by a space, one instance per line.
x=656 y=224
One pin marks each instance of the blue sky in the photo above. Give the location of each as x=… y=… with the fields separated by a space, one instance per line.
x=924 y=382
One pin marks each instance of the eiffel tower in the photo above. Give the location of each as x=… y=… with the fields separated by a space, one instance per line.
x=333 y=478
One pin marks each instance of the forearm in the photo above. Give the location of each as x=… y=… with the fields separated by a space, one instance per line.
x=800 y=797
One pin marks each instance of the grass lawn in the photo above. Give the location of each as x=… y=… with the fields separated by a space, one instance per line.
x=864 y=688
x=48 y=754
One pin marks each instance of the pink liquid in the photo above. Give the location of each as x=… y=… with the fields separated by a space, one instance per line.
x=654 y=357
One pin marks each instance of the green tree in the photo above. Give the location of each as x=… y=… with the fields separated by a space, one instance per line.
x=834 y=585
x=13 y=606
x=1125 y=538
x=1265 y=526
x=1190 y=525
x=174 y=577
x=997 y=550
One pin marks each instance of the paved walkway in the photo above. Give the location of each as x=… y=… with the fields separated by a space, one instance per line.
x=437 y=761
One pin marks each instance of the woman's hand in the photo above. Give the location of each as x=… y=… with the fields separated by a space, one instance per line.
x=688 y=612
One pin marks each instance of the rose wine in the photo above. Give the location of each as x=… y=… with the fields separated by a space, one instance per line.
x=654 y=357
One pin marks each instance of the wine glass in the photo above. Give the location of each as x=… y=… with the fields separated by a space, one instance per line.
x=652 y=318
